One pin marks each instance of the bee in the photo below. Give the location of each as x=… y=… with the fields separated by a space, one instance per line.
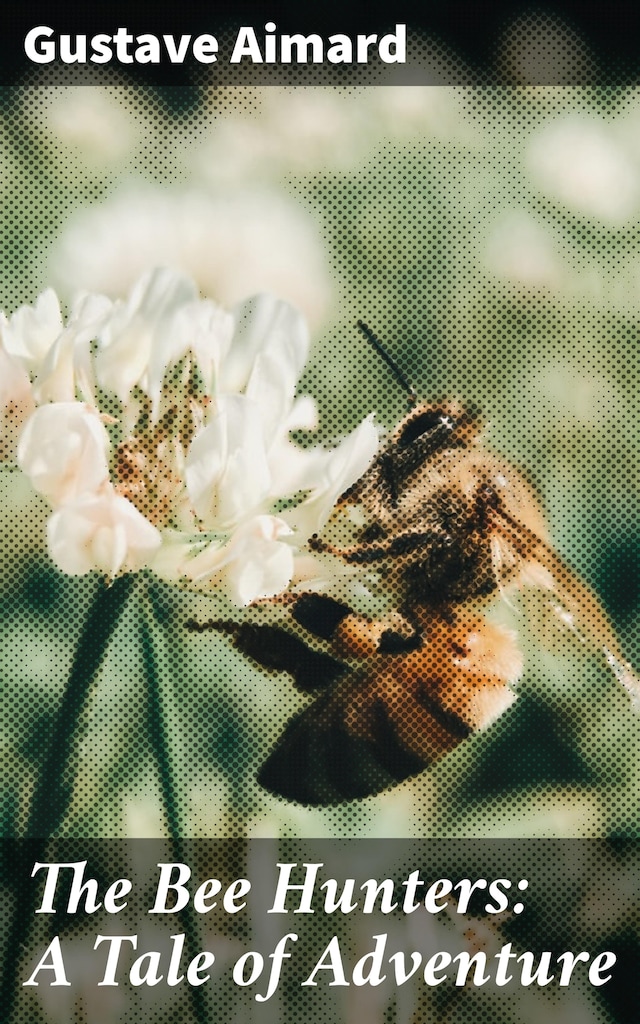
x=445 y=527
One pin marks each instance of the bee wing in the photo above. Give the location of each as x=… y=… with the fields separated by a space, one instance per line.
x=319 y=760
x=278 y=650
x=396 y=714
x=365 y=735
x=520 y=555
x=399 y=707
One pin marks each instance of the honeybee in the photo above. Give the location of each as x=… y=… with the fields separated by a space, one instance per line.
x=445 y=527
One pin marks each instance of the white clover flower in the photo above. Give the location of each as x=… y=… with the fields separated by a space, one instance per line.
x=101 y=531
x=231 y=243
x=139 y=326
x=331 y=470
x=158 y=429
x=16 y=403
x=96 y=126
x=226 y=469
x=64 y=450
x=579 y=162
x=66 y=369
x=520 y=249
x=256 y=562
x=31 y=331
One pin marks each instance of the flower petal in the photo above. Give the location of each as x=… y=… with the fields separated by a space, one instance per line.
x=67 y=368
x=336 y=471
x=16 y=403
x=101 y=531
x=31 y=331
x=64 y=450
x=263 y=568
x=269 y=349
x=201 y=327
x=138 y=326
x=255 y=564
x=226 y=470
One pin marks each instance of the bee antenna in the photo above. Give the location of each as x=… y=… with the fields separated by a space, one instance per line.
x=391 y=364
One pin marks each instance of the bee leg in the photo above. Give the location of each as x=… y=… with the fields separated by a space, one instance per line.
x=359 y=637
x=356 y=635
x=319 y=614
x=328 y=619
x=397 y=546
x=277 y=650
x=324 y=547
x=392 y=642
x=487 y=503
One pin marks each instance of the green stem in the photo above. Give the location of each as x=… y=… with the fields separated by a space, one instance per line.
x=158 y=733
x=159 y=740
x=54 y=785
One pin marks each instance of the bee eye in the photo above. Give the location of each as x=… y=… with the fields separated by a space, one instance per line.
x=422 y=424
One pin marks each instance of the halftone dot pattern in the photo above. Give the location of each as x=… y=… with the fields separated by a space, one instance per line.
x=515 y=904
x=475 y=336
x=406 y=236
x=430 y=236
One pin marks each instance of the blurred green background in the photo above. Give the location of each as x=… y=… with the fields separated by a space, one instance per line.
x=490 y=237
